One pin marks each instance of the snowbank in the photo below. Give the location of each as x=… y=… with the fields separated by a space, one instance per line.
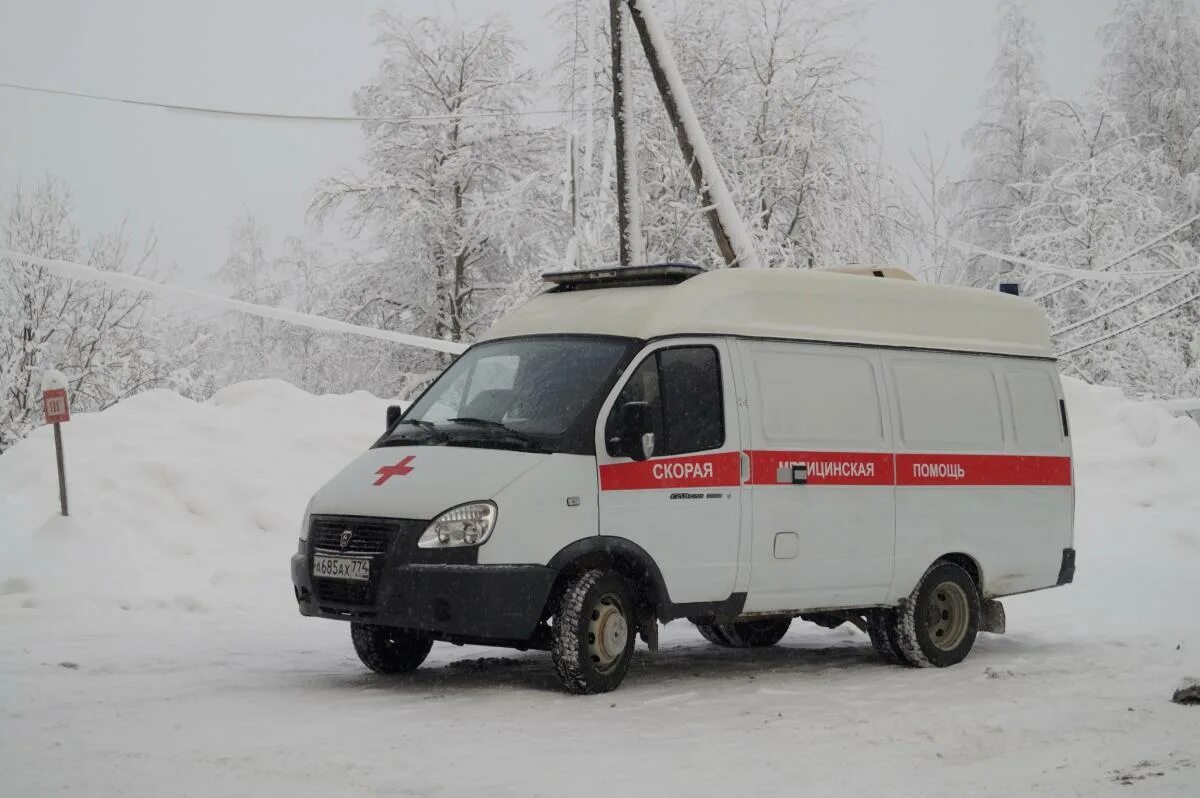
x=1137 y=524
x=174 y=504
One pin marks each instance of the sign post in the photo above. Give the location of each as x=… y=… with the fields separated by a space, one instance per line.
x=57 y=408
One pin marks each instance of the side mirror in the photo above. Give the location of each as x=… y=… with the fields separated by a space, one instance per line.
x=393 y=415
x=637 y=441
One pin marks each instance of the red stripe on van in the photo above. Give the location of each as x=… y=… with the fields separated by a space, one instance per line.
x=982 y=469
x=840 y=468
x=824 y=468
x=719 y=470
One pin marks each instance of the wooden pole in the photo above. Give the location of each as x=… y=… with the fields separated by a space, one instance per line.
x=681 y=135
x=616 y=25
x=62 y=469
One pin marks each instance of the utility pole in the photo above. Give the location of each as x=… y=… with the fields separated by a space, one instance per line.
x=628 y=217
x=733 y=239
x=572 y=164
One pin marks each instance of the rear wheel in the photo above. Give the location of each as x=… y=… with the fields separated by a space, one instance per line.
x=937 y=624
x=881 y=627
x=710 y=633
x=746 y=634
x=387 y=650
x=594 y=632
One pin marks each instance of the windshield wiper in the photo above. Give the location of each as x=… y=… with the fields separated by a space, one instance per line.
x=435 y=433
x=499 y=425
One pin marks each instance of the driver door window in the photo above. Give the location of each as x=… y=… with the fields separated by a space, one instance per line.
x=682 y=386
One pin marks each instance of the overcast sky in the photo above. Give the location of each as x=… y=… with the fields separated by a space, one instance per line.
x=190 y=175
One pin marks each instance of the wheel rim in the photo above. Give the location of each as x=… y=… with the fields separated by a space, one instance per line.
x=949 y=616
x=608 y=633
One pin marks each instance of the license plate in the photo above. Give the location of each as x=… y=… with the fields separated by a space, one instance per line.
x=355 y=570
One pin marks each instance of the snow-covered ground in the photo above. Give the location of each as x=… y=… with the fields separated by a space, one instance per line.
x=150 y=645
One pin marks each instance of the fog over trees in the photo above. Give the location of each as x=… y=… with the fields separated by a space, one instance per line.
x=452 y=216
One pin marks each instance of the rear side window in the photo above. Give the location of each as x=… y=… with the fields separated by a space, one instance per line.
x=948 y=405
x=682 y=385
x=1036 y=413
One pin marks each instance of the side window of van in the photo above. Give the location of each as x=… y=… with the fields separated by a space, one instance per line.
x=682 y=385
x=643 y=386
x=822 y=398
x=1035 y=409
x=692 y=404
x=948 y=405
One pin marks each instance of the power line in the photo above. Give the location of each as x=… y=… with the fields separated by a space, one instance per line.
x=280 y=116
x=1121 y=259
x=1132 y=301
x=1080 y=275
x=128 y=282
x=1153 y=317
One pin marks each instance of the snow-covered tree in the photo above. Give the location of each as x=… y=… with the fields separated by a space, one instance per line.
x=1152 y=73
x=95 y=335
x=1008 y=144
x=777 y=95
x=253 y=277
x=458 y=202
x=937 y=220
x=1100 y=208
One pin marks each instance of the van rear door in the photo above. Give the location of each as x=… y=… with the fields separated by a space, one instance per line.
x=822 y=480
x=683 y=504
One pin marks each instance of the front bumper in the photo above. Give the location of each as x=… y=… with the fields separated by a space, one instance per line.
x=467 y=602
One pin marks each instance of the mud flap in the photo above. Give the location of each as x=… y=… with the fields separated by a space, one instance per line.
x=991 y=617
x=648 y=630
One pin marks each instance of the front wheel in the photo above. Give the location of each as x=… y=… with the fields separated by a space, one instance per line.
x=384 y=649
x=593 y=633
x=937 y=624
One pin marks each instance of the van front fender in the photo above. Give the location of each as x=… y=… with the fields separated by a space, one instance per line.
x=635 y=564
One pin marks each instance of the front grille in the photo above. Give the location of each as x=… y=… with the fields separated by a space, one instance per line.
x=384 y=540
x=367 y=535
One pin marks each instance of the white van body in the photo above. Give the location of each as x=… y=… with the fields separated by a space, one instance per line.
x=817 y=443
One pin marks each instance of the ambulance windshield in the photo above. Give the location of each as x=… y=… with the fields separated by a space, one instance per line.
x=534 y=394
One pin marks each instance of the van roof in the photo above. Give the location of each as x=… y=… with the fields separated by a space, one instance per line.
x=850 y=306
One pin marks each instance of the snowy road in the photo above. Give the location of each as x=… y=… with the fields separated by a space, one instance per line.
x=150 y=646
x=202 y=706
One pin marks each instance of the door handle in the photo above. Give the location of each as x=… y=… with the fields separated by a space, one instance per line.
x=795 y=474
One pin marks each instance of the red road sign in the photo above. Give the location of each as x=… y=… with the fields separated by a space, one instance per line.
x=55 y=405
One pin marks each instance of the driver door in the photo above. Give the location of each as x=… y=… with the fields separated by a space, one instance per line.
x=682 y=505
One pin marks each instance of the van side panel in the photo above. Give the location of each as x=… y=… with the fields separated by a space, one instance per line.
x=828 y=541
x=982 y=468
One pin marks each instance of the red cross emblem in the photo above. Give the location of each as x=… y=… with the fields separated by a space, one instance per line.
x=398 y=470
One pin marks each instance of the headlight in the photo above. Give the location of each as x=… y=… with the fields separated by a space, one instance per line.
x=304 y=524
x=464 y=525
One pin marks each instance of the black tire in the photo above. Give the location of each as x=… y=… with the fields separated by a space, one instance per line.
x=384 y=649
x=593 y=634
x=937 y=624
x=746 y=634
x=708 y=631
x=711 y=633
x=881 y=627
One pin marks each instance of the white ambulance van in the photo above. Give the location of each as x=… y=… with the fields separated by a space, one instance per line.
x=738 y=448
